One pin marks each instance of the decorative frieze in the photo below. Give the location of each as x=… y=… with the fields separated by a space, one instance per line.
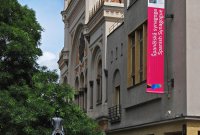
x=100 y=3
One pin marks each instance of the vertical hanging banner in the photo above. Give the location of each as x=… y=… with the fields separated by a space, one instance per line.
x=155 y=48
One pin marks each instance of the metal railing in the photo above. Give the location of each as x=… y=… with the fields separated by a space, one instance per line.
x=114 y=114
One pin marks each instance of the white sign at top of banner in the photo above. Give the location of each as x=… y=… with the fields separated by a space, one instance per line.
x=156 y=3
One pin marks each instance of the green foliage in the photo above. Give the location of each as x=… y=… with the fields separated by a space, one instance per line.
x=20 y=34
x=28 y=110
x=29 y=94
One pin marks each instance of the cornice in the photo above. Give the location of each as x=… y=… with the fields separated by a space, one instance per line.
x=72 y=7
x=63 y=59
x=95 y=20
x=99 y=17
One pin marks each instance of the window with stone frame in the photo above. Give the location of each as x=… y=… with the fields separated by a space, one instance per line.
x=137 y=45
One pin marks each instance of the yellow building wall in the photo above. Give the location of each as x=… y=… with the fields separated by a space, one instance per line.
x=193 y=127
x=155 y=130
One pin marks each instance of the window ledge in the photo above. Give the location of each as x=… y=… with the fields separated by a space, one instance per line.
x=138 y=84
x=149 y=101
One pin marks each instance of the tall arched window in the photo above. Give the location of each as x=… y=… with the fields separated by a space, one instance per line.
x=77 y=89
x=116 y=85
x=81 y=48
x=82 y=81
x=85 y=94
x=77 y=84
x=65 y=81
x=99 y=82
x=81 y=93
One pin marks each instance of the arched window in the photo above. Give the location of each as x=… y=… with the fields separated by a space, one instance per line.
x=82 y=81
x=116 y=84
x=91 y=94
x=81 y=92
x=99 y=82
x=77 y=84
x=77 y=89
x=96 y=75
x=65 y=81
x=81 y=48
x=85 y=94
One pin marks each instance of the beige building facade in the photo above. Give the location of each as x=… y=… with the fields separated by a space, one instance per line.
x=82 y=61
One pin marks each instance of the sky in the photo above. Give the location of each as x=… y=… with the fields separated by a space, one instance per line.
x=49 y=17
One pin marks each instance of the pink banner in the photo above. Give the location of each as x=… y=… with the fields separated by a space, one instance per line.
x=155 y=48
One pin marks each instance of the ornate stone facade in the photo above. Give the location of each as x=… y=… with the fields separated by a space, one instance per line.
x=83 y=58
